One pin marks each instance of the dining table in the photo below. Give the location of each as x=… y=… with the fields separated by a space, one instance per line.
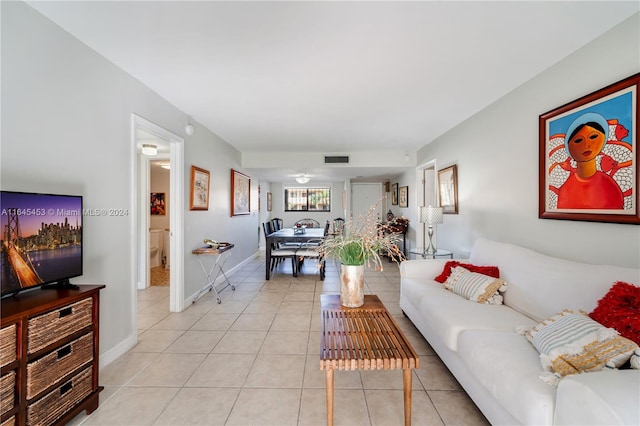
x=289 y=235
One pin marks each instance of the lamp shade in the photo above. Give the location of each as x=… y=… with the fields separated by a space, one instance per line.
x=302 y=179
x=430 y=215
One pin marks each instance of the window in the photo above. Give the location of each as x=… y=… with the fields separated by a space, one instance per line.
x=307 y=199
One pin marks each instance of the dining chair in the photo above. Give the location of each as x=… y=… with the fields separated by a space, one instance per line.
x=338 y=226
x=277 y=223
x=316 y=242
x=311 y=249
x=278 y=254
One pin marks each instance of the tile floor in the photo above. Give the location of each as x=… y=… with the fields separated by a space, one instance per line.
x=226 y=364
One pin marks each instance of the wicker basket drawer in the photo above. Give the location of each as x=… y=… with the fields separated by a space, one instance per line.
x=11 y=421
x=8 y=341
x=7 y=391
x=52 y=367
x=52 y=326
x=56 y=403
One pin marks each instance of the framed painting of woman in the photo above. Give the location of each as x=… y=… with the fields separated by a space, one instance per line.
x=588 y=157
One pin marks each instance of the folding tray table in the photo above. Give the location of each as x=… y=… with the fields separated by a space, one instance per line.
x=221 y=255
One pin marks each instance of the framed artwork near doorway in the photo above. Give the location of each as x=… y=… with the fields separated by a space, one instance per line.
x=394 y=194
x=199 y=189
x=157 y=205
x=240 y=193
x=448 y=189
x=403 y=196
x=269 y=201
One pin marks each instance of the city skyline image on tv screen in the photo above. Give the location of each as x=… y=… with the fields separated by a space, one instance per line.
x=41 y=239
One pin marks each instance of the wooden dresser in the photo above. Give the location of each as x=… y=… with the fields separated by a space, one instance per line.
x=49 y=355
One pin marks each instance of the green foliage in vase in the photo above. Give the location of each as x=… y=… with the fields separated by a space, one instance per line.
x=365 y=240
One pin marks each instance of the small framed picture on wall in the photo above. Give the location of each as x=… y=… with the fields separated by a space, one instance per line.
x=403 y=196
x=199 y=189
x=157 y=204
x=394 y=194
x=240 y=193
x=448 y=189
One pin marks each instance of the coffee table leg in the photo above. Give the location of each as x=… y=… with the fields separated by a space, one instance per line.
x=406 y=381
x=328 y=374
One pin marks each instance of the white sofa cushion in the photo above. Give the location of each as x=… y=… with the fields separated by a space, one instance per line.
x=414 y=290
x=541 y=286
x=612 y=398
x=450 y=314
x=507 y=365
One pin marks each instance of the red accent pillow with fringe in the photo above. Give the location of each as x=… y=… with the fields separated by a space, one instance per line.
x=620 y=309
x=491 y=271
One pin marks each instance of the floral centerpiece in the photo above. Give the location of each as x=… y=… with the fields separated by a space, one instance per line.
x=363 y=242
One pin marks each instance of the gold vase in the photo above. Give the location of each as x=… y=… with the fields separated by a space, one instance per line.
x=352 y=285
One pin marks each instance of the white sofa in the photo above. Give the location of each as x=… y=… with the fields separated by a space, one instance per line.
x=499 y=368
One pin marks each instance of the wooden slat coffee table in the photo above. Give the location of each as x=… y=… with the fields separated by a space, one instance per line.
x=364 y=338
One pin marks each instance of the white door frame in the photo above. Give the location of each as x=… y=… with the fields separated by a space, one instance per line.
x=140 y=220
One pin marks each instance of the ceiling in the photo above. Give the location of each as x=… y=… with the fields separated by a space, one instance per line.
x=334 y=77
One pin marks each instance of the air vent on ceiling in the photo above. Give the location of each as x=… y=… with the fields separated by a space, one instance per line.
x=336 y=159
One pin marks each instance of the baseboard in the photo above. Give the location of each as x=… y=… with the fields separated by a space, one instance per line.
x=117 y=351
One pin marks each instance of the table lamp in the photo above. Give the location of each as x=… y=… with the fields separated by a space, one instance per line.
x=431 y=216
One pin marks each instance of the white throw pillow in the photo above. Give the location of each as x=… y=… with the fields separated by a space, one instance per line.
x=474 y=286
x=571 y=342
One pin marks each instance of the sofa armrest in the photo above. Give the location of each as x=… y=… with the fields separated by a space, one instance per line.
x=422 y=268
x=603 y=397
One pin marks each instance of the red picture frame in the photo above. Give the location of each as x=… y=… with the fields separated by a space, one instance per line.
x=588 y=157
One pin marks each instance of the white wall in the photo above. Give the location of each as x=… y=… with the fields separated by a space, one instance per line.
x=66 y=128
x=497 y=156
x=207 y=151
x=411 y=211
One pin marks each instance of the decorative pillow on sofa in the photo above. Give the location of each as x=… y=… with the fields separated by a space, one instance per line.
x=491 y=271
x=620 y=309
x=474 y=286
x=635 y=360
x=571 y=342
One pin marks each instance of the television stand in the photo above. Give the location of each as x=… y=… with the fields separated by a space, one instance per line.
x=50 y=356
x=60 y=285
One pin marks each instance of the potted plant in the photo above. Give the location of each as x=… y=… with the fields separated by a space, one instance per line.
x=365 y=241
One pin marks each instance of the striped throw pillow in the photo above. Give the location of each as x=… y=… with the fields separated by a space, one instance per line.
x=473 y=286
x=571 y=342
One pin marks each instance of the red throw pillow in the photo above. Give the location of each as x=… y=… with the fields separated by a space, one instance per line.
x=620 y=309
x=491 y=271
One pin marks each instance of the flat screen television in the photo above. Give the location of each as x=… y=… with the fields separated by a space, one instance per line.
x=41 y=240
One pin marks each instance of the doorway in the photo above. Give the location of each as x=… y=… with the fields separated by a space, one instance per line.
x=363 y=196
x=159 y=220
x=170 y=147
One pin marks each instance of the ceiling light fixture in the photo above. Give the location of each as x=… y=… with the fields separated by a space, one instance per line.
x=166 y=166
x=302 y=179
x=189 y=129
x=148 y=149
